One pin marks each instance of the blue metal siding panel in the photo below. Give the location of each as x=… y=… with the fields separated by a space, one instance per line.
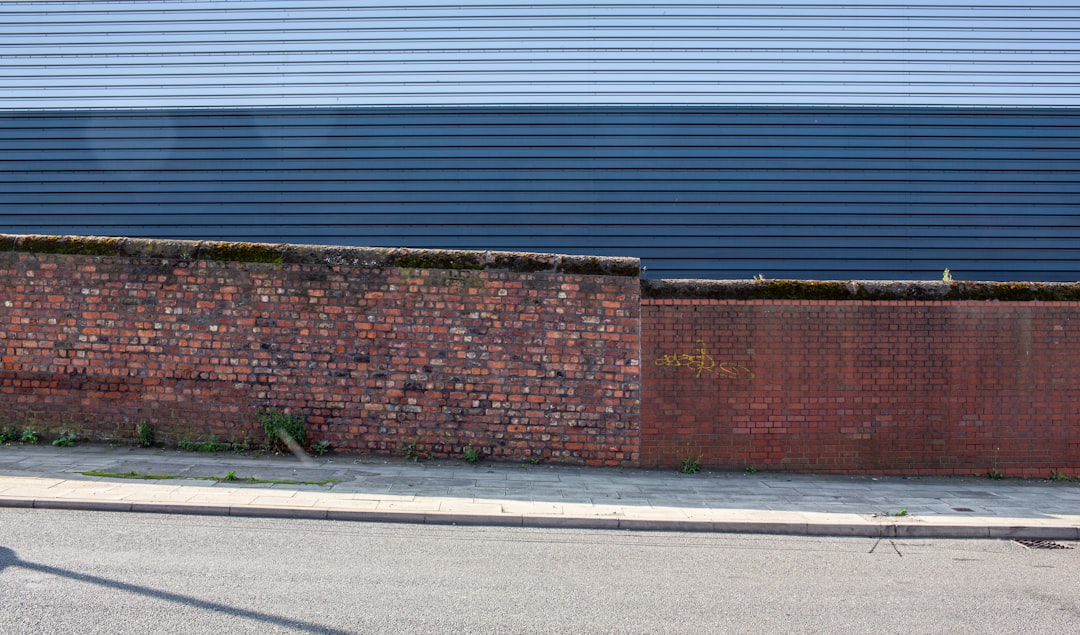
x=696 y=192
x=277 y=53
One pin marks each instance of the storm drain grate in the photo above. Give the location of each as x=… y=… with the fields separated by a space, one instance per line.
x=1042 y=544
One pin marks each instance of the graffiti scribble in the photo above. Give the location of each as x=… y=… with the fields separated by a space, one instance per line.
x=702 y=362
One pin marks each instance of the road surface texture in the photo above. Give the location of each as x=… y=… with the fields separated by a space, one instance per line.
x=64 y=571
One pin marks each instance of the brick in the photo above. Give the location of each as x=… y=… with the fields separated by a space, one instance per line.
x=441 y=358
x=863 y=387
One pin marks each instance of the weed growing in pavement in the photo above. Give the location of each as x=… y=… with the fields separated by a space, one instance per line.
x=29 y=436
x=145 y=433
x=691 y=464
x=65 y=440
x=319 y=448
x=1056 y=475
x=257 y=481
x=472 y=455
x=281 y=428
x=750 y=469
x=408 y=450
x=243 y=446
x=9 y=434
x=231 y=477
x=903 y=512
x=994 y=473
x=132 y=474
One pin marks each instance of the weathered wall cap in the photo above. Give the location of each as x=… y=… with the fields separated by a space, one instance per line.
x=766 y=289
x=371 y=257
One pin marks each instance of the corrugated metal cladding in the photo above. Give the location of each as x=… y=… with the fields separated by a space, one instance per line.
x=713 y=139
x=833 y=193
x=275 y=53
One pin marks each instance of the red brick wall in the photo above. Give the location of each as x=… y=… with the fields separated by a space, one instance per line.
x=916 y=387
x=519 y=365
x=524 y=364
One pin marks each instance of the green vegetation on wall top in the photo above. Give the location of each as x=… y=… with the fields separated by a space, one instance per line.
x=372 y=257
x=766 y=289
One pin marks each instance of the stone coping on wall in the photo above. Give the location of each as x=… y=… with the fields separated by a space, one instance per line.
x=370 y=257
x=766 y=289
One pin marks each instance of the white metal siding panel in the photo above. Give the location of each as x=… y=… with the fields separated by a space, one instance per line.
x=260 y=53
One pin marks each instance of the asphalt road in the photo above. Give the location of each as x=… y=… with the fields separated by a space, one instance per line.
x=93 y=572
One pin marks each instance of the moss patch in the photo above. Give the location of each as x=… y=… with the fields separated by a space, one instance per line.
x=521 y=261
x=859 y=290
x=594 y=265
x=241 y=252
x=370 y=257
x=437 y=259
x=69 y=245
x=228 y=478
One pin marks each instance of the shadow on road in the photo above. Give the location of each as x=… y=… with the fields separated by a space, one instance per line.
x=9 y=559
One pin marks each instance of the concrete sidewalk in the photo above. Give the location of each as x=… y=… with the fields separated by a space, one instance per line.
x=447 y=492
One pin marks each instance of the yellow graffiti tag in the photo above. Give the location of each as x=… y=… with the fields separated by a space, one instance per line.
x=702 y=362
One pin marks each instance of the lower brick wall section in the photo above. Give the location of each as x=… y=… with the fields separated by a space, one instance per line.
x=907 y=387
x=544 y=365
x=520 y=365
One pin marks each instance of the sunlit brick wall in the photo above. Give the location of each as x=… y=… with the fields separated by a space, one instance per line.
x=520 y=365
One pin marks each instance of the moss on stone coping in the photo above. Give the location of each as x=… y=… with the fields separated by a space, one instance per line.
x=241 y=252
x=368 y=257
x=859 y=290
x=68 y=245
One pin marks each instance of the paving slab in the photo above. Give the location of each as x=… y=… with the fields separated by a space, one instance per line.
x=394 y=490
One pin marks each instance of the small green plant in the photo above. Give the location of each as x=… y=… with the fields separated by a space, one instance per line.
x=534 y=461
x=1055 y=475
x=29 y=436
x=231 y=476
x=243 y=446
x=319 y=448
x=946 y=276
x=994 y=473
x=132 y=474
x=472 y=455
x=691 y=464
x=210 y=445
x=902 y=512
x=281 y=428
x=65 y=440
x=750 y=469
x=9 y=434
x=408 y=450
x=145 y=433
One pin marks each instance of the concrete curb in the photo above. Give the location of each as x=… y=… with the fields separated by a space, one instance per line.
x=822 y=529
